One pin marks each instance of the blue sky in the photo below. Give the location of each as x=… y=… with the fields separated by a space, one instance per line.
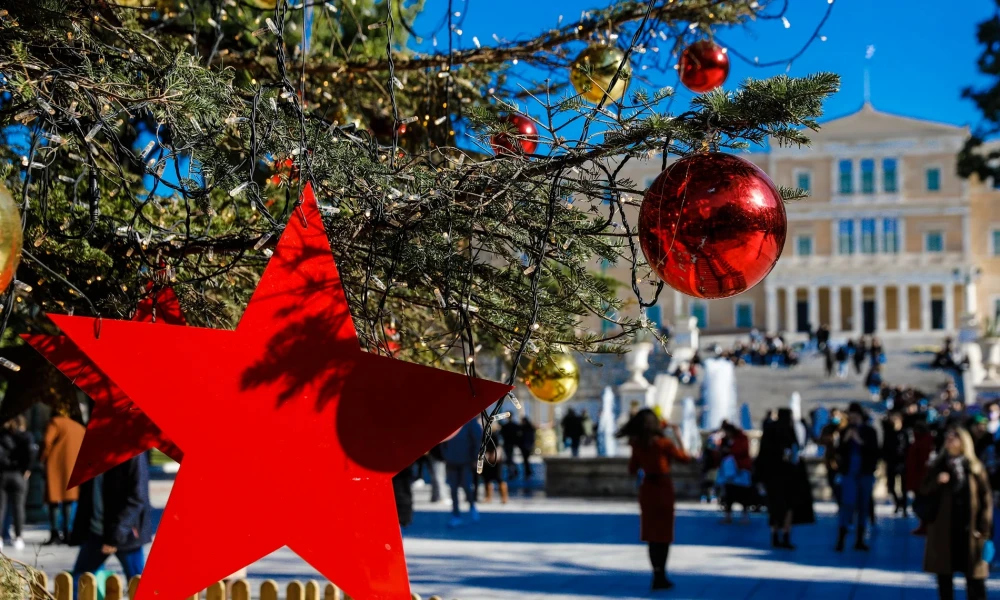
x=925 y=52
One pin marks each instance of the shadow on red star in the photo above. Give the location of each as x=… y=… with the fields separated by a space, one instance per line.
x=291 y=433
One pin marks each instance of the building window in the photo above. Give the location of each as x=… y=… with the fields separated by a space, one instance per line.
x=804 y=245
x=868 y=236
x=846 y=177
x=889 y=182
x=845 y=237
x=744 y=315
x=867 y=176
x=933 y=179
x=803 y=180
x=890 y=236
x=995 y=242
x=934 y=241
x=699 y=310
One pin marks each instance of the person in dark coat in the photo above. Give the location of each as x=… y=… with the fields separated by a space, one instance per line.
x=959 y=487
x=652 y=454
x=780 y=468
x=572 y=431
x=857 y=456
x=918 y=456
x=460 y=453
x=402 y=491
x=114 y=517
x=829 y=438
x=527 y=445
x=17 y=452
x=895 y=443
x=860 y=351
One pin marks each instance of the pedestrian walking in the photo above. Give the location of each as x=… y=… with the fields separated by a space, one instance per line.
x=895 y=445
x=572 y=431
x=860 y=352
x=735 y=472
x=16 y=456
x=527 y=445
x=918 y=456
x=114 y=517
x=460 y=454
x=780 y=468
x=858 y=455
x=652 y=455
x=829 y=438
x=63 y=438
x=842 y=355
x=959 y=490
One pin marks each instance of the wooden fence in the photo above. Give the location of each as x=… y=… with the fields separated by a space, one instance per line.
x=115 y=589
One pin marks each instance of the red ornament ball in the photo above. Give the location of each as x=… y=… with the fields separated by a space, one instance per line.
x=704 y=66
x=712 y=225
x=524 y=140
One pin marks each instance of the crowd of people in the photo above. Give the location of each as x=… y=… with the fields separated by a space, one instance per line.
x=940 y=463
x=108 y=515
x=458 y=455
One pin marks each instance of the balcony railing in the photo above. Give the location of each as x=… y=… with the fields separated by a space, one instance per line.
x=901 y=260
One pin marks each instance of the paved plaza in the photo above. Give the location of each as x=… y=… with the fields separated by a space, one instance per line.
x=547 y=549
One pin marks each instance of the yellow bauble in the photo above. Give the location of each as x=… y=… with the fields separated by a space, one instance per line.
x=10 y=238
x=265 y=4
x=593 y=70
x=553 y=378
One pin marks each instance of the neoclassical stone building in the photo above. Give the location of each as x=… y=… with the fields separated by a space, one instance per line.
x=890 y=242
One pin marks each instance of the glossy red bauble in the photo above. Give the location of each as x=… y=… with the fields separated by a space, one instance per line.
x=523 y=140
x=704 y=66
x=712 y=225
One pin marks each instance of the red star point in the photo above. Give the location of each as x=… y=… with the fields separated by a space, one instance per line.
x=117 y=429
x=291 y=433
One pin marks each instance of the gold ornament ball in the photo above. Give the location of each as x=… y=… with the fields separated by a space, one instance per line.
x=265 y=4
x=593 y=70
x=10 y=237
x=553 y=378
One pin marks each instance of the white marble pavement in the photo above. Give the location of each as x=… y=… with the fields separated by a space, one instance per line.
x=548 y=549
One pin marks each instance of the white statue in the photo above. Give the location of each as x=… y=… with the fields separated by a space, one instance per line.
x=607 y=445
x=800 y=428
x=690 y=434
x=718 y=393
x=666 y=393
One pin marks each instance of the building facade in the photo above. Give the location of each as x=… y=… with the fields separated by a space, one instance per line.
x=891 y=241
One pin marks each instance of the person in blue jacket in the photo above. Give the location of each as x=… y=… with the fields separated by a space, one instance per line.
x=460 y=454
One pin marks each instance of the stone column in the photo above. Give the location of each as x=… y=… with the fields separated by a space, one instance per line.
x=880 y=313
x=971 y=303
x=790 y=310
x=771 y=308
x=903 y=307
x=679 y=306
x=949 y=306
x=857 y=309
x=835 y=320
x=925 y=307
x=813 y=307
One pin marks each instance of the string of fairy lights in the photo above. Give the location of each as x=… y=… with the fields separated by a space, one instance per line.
x=647 y=37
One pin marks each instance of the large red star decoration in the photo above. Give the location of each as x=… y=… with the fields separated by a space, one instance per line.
x=291 y=432
x=117 y=429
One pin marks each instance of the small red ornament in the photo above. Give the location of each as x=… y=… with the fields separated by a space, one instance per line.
x=286 y=402
x=712 y=225
x=704 y=66
x=284 y=170
x=117 y=429
x=524 y=140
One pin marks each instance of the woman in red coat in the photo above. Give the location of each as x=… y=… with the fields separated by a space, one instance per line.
x=652 y=453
